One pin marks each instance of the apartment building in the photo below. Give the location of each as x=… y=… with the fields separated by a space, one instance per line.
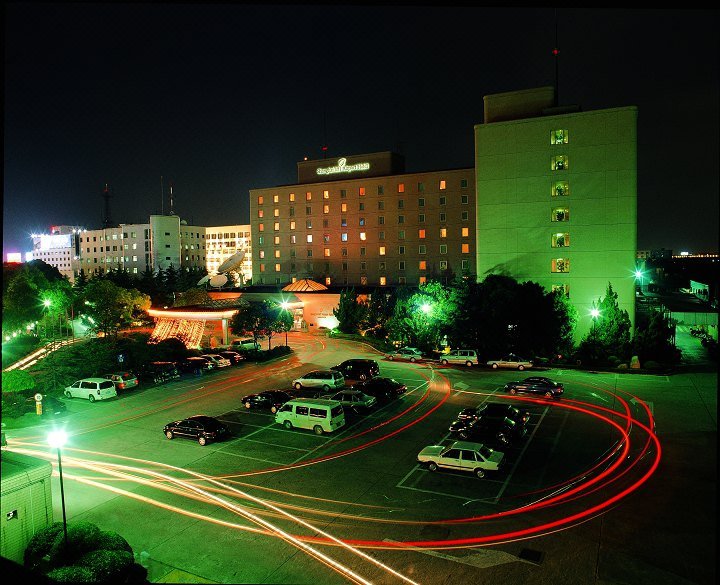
x=557 y=197
x=361 y=220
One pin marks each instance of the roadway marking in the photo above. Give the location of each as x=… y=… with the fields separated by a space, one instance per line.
x=483 y=558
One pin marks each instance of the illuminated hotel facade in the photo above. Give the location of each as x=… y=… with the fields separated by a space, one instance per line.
x=557 y=197
x=361 y=220
x=223 y=242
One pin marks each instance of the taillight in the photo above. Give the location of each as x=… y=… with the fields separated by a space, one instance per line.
x=121 y=385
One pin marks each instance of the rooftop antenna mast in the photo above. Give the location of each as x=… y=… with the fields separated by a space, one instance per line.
x=556 y=54
x=324 y=146
x=162 y=197
x=106 y=214
x=171 y=199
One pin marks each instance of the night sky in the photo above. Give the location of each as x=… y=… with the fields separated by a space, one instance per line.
x=221 y=99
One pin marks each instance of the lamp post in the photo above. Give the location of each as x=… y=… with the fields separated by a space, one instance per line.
x=57 y=439
x=594 y=313
x=285 y=306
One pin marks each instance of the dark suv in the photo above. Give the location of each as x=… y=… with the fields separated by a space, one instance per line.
x=503 y=431
x=158 y=372
x=195 y=364
x=358 y=369
x=495 y=410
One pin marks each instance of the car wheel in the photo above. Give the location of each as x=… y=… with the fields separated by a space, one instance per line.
x=494 y=366
x=548 y=394
x=202 y=440
x=468 y=364
x=273 y=409
x=412 y=360
x=169 y=435
x=390 y=358
x=91 y=398
x=317 y=429
x=513 y=391
x=363 y=377
x=479 y=473
x=298 y=386
x=432 y=466
x=68 y=394
x=444 y=362
x=521 y=367
x=247 y=405
x=287 y=424
x=463 y=436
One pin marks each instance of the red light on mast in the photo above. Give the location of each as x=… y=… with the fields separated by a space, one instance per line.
x=556 y=52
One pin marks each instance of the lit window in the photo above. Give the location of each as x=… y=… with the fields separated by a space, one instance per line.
x=277 y=267
x=363 y=280
x=383 y=281
x=277 y=253
x=362 y=191
x=308 y=196
x=308 y=238
x=326 y=238
x=343 y=207
x=327 y=281
x=277 y=226
x=559 y=163
x=560 y=240
x=382 y=251
x=276 y=198
x=465 y=248
x=560 y=189
x=276 y=213
x=443 y=248
x=560 y=265
x=423 y=279
x=292 y=224
x=308 y=224
x=421 y=234
x=261 y=253
x=343 y=237
x=423 y=265
x=564 y=288
x=401 y=187
x=465 y=232
x=327 y=252
x=559 y=137
x=443 y=264
x=277 y=240
x=362 y=221
x=260 y=212
x=326 y=194
x=292 y=197
x=443 y=232
x=261 y=240
x=260 y=200
x=560 y=214
x=261 y=227
x=443 y=185
x=293 y=240
x=262 y=267
x=326 y=209
x=362 y=236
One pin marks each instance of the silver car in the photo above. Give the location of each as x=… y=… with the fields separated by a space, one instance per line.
x=461 y=456
x=325 y=379
x=218 y=360
x=353 y=399
x=510 y=361
x=410 y=354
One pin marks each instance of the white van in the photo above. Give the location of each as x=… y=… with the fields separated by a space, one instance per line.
x=318 y=414
x=460 y=356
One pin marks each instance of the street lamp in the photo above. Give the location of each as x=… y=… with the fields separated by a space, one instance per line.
x=57 y=439
x=285 y=306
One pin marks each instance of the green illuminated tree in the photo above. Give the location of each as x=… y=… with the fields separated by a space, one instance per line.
x=610 y=333
x=349 y=313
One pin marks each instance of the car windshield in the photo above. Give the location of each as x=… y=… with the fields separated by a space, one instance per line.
x=486 y=452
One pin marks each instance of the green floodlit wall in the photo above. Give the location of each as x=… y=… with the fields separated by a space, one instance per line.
x=514 y=204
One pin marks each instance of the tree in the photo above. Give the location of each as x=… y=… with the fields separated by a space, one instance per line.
x=17 y=381
x=21 y=302
x=110 y=306
x=379 y=309
x=349 y=313
x=284 y=323
x=654 y=340
x=257 y=319
x=610 y=332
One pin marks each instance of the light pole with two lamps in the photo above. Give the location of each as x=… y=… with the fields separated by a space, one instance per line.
x=57 y=439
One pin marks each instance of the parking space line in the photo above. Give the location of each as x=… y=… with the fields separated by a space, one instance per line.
x=224 y=452
x=272 y=444
x=443 y=494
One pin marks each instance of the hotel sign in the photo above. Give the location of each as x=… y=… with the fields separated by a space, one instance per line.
x=343 y=167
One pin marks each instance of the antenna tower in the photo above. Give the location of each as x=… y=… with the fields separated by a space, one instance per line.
x=106 y=215
x=556 y=54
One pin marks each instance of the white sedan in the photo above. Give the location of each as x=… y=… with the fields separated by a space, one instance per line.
x=511 y=361
x=462 y=456
x=411 y=354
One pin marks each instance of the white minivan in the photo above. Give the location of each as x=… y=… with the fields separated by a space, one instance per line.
x=320 y=415
x=92 y=389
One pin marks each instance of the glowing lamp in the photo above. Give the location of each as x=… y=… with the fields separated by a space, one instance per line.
x=57 y=439
x=594 y=313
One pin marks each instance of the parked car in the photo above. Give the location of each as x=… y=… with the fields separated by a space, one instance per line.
x=199 y=427
x=324 y=379
x=536 y=385
x=384 y=389
x=504 y=431
x=467 y=357
x=462 y=456
x=245 y=344
x=270 y=400
x=195 y=364
x=234 y=357
x=122 y=380
x=218 y=360
x=353 y=400
x=159 y=372
x=510 y=361
x=358 y=369
x=495 y=410
x=92 y=389
x=411 y=354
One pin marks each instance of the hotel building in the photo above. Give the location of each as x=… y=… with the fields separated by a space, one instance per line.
x=222 y=242
x=361 y=220
x=557 y=197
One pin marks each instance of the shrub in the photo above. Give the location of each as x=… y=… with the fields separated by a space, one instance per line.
x=614 y=360
x=113 y=541
x=651 y=365
x=82 y=538
x=72 y=574
x=41 y=543
x=107 y=565
x=622 y=366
